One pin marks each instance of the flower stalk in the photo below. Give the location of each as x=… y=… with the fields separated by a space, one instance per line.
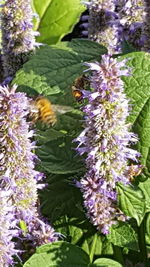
x=17 y=172
x=106 y=140
x=113 y=22
x=103 y=24
x=18 y=37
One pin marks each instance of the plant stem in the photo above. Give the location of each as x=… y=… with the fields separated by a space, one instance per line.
x=141 y=240
x=118 y=254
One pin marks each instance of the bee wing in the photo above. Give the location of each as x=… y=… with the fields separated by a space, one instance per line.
x=32 y=107
x=61 y=109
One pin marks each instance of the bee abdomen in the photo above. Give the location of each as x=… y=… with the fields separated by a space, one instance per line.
x=48 y=117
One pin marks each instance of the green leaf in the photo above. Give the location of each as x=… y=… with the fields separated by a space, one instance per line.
x=23 y=227
x=103 y=262
x=147 y=232
x=75 y=233
x=67 y=202
x=127 y=48
x=123 y=236
x=54 y=69
x=79 y=231
x=93 y=245
x=145 y=187
x=59 y=157
x=67 y=125
x=107 y=247
x=58 y=254
x=137 y=88
x=132 y=202
x=43 y=137
x=56 y=18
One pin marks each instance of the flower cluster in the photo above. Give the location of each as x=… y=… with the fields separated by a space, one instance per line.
x=18 y=176
x=18 y=37
x=113 y=21
x=146 y=26
x=106 y=140
x=102 y=23
x=131 y=16
x=7 y=228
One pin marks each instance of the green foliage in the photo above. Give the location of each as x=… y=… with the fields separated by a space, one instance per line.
x=67 y=203
x=59 y=157
x=63 y=254
x=103 y=262
x=145 y=187
x=132 y=202
x=59 y=254
x=56 y=18
x=123 y=235
x=62 y=165
x=137 y=88
x=54 y=69
x=51 y=72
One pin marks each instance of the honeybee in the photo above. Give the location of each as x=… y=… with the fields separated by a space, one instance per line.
x=77 y=94
x=78 y=86
x=43 y=110
x=133 y=171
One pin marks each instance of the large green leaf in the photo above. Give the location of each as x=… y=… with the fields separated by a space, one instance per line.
x=79 y=231
x=145 y=187
x=58 y=254
x=56 y=18
x=62 y=198
x=67 y=125
x=123 y=236
x=132 y=202
x=107 y=247
x=55 y=68
x=63 y=254
x=103 y=262
x=59 y=157
x=147 y=234
x=93 y=245
x=137 y=88
x=47 y=135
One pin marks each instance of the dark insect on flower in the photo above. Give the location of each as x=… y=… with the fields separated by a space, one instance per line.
x=134 y=171
x=77 y=94
x=79 y=84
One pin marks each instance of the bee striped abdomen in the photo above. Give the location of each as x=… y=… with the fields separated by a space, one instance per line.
x=47 y=116
x=46 y=113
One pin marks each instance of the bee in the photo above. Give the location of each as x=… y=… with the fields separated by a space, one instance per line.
x=77 y=94
x=133 y=171
x=77 y=87
x=41 y=109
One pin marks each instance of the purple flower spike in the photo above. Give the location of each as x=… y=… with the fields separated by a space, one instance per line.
x=18 y=37
x=103 y=23
x=105 y=140
x=111 y=22
x=8 y=228
x=131 y=15
x=18 y=176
